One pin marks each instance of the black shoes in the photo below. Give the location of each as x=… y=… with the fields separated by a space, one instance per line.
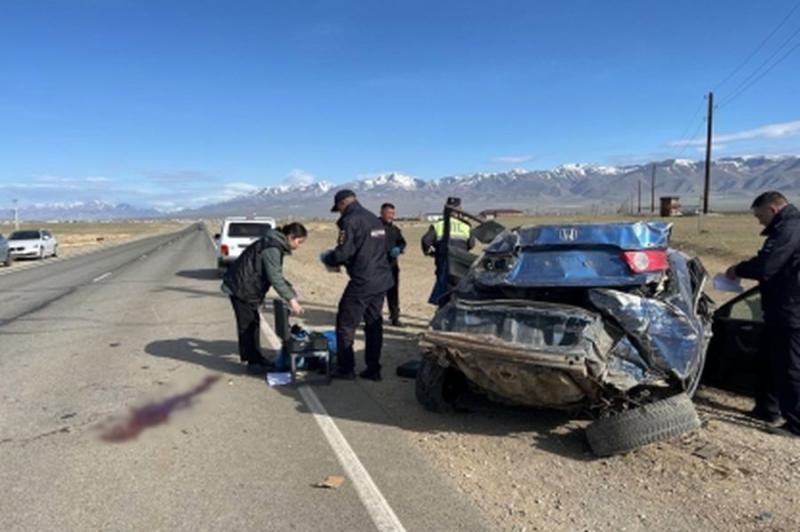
x=259 y=366
x=395 y=322
x=770 y=419
x=371 y=374
x=785 y=430
x=343 y=374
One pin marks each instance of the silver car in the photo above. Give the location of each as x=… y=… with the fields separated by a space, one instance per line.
x=33 y=243
x=5 y=252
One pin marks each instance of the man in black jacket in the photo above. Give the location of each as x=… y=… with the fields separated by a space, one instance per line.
x=249 y=278
x=361 y=249
x=777 y=270
x=395 y=246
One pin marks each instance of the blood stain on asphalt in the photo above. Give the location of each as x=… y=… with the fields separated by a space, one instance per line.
x=153 y=414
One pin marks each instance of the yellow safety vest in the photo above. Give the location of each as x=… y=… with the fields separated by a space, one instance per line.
x=458 y=230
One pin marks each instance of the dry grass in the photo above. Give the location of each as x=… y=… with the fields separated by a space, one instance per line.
x=85 y=234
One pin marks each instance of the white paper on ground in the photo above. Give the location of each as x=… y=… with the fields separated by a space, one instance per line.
x=723 y=284
x=279 y=378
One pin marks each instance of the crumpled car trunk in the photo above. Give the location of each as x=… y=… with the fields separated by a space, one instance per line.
x=562 y=355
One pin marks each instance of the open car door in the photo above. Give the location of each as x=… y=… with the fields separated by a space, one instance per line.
x=459 y=260
x=738 y=326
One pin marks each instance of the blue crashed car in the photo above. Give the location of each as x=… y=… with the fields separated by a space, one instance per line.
x=600 y=317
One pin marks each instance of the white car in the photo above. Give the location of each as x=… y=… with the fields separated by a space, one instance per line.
x=236 y=234
x=33 y=244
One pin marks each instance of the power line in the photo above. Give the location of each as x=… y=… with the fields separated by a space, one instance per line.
x=767 y=71
x=688 y=141
x=758 y=48
x=691 y=120
x=746 y=82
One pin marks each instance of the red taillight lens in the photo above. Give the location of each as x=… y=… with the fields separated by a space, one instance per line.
x=646 y=261
x=224 y=249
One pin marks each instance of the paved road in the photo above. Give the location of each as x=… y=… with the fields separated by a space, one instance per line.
x=123 y=406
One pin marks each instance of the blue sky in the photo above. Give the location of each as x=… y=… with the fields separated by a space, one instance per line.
x=172 y=104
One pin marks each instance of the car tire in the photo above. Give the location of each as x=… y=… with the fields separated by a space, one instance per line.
x=637 y=427
x=221 y=269
x=437 y=388
x=55 y=251
x=9 y=261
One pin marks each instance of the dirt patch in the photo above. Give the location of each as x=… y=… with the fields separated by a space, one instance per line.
x=532 y=470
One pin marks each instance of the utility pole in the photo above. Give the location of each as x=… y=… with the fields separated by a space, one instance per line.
x=708 y=152
x=639 y=204
x=16 y=216
x=653 y=190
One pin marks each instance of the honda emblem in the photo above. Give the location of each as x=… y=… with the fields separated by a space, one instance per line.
x=568 y=235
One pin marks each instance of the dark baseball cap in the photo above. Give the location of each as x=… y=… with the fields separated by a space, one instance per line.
x=342 y=194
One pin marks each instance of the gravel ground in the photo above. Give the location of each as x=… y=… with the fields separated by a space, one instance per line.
x=532 y=470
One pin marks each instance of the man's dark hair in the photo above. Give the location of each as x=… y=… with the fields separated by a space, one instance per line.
x=768 y=198
x=294 y=230
x=387 y=206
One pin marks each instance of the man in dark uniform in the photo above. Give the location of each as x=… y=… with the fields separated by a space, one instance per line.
x=361 y=249
x=435 y=243
x=395 y=246
x=777 y=270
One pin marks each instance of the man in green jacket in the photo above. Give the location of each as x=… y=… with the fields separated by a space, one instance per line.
x=250 y=277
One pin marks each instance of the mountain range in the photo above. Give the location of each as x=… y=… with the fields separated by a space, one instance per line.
x=566 y=188
x=81 y=210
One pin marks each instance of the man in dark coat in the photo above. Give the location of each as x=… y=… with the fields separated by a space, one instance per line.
x=395 y=246
x=249 y=278
x=361 y=249
x=777 y=270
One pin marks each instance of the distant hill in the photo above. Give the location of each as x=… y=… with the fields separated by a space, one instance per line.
x=88 y=210
x=566 y=188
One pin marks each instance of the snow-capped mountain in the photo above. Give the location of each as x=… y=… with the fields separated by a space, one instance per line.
x=82 y=210
x=568 y=187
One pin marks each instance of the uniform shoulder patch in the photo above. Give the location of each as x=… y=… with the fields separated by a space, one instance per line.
x=342 y=238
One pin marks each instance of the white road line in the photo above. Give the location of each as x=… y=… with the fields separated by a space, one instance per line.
x=98 y=279
x=378 y=508
x=371 y=497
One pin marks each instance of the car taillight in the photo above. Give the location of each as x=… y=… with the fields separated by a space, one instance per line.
x=646 y=261
x=224 y=249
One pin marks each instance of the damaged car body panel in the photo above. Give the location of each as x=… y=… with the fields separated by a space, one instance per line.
x=573 y=255
x=576 y=315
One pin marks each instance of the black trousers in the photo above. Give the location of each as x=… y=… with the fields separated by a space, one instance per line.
x=353 y=309
x=393 y=295
x=247 y=327
x=778 y=374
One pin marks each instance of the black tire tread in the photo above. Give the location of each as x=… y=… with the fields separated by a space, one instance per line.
x=637 y=427
x=429 y=387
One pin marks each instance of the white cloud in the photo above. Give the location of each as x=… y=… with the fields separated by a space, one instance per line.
x=181 y=176
x=98 y=179
x=231 y=190
x=511 y=159
x=299 y=176
x=770 y=131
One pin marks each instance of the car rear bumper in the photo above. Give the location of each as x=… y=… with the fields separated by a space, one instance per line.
x=532 y=353
x=25 y=253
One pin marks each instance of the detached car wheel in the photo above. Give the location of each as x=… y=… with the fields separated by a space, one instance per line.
x=437 y=388
x=650 y=423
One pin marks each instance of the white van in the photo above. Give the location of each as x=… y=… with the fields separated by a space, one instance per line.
x=236 y=234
